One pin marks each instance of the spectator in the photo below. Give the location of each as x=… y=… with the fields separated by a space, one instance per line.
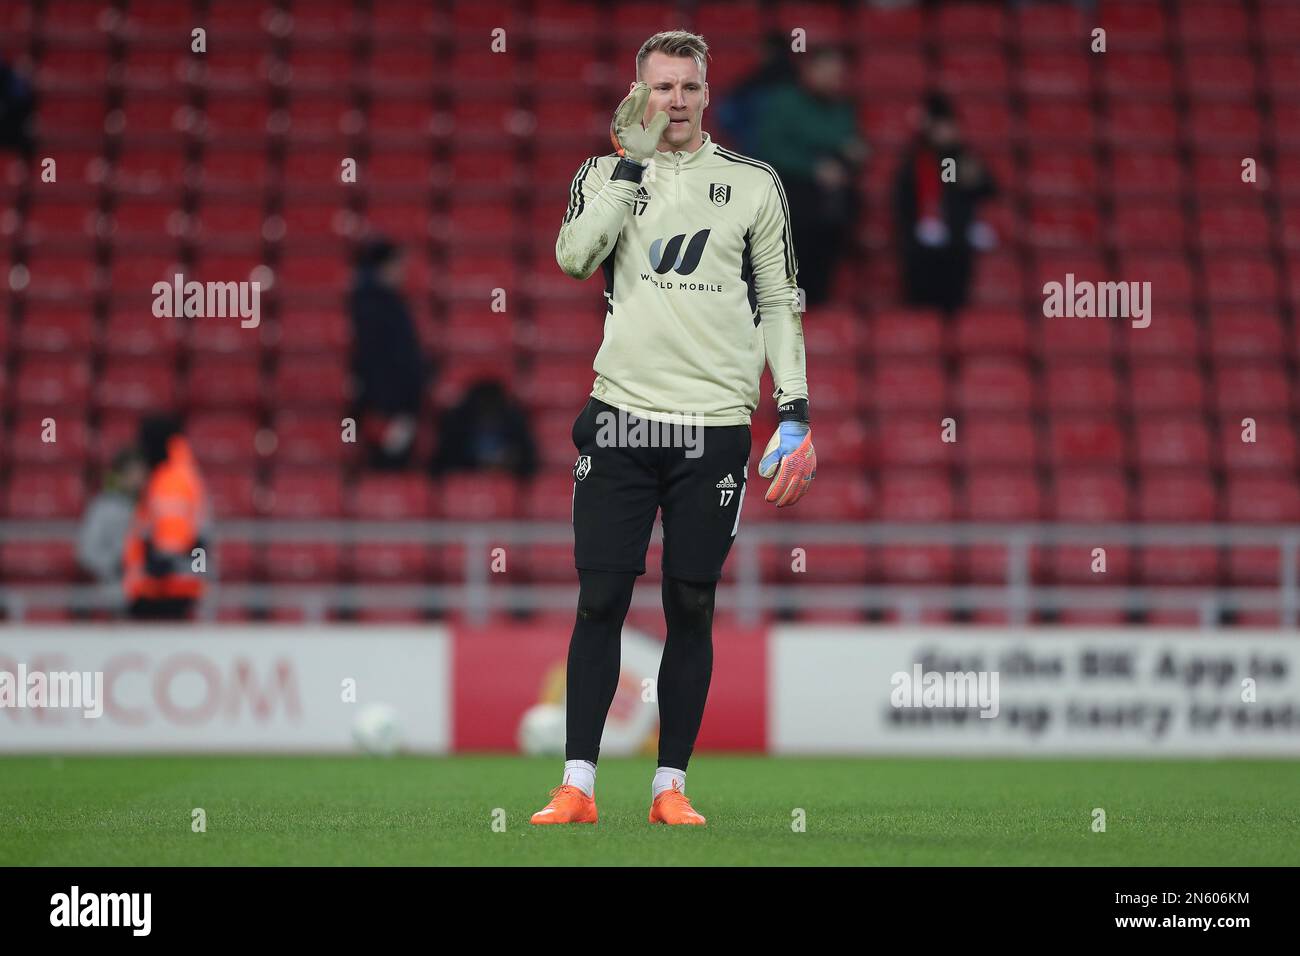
x=104 y=527
x=935 y=220
x=737 y=114
x=162 y=580
x=808 y=131
x=17 y=105
x=486 y=430
x=387 y=363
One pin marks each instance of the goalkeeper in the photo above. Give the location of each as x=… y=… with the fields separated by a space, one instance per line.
x=694 y=244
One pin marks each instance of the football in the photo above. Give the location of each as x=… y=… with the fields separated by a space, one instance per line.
x=541 y=730
x=377 y=730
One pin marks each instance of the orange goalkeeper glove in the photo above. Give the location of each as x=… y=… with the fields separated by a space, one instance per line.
x=789 y=457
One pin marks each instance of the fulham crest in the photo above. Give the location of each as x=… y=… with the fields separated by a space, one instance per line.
x=720 y=193
x=582 y=467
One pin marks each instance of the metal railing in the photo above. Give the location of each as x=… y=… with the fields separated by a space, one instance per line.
x=480 y=592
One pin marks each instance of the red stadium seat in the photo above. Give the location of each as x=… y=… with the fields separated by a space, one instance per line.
x=912 y=440
x=1262 y=498
x=1268 y=499
x=222 y=439
x=306 y=493
x=236 y=561
x=1171 y=335
x=992 y=331
x=1166 y=387
x=1151 y=124
x=233 y=493
x=547 y=563
x=305 y=437
x=831 y=331
x=1239 y=227
x=391 y=562
x=137 y=385
x=839 y=384
x=1074 y=386
x=843 y=439
x=393 y=498
x=1090 y=338
x=303 y=561
x=1148 y=225
x=227 y=382
x=1212 y=74
x=1132 y=74
x=914 y=495
x=1002 y=440
x=1001 y=494
x=1202 y=23
x=993 y=384
x=53 y=382
x=831 y=564
x=310 y=381
x=1177 y=496
x=1252 y=389
x=69 y=439
x=1139 y=25
x=1273 y=448
x=43 y=493
x=1086 y=441
x=1171 y=441
x=919 y=386
x=906 y=333
x=549 y=497
x=470 y=329
x=38 y=562
x=1146 y=173
x=482 y=496
x=57 y=329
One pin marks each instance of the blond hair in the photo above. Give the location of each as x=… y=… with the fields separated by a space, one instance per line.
x=675 y=43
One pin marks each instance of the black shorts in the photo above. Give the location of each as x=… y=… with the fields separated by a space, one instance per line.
x=619 y=482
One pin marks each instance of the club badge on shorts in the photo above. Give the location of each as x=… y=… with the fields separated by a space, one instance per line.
x=582 y=467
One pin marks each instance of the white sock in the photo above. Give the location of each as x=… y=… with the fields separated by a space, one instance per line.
x=664 y=778
x=581 y=774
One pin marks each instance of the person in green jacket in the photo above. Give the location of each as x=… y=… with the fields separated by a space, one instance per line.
x=808 y=131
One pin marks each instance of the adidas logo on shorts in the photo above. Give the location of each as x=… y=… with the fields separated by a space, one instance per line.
x=727 y=482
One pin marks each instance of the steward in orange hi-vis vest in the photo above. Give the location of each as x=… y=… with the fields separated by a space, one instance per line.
x=171 y=520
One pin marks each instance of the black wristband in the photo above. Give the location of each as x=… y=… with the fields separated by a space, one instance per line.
x=795 y=410
x=629 y=170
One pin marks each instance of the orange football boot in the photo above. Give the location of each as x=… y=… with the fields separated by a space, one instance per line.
x=674 y=807
x=568 y=805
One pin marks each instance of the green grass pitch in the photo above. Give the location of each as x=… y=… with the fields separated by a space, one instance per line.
x=120 y=811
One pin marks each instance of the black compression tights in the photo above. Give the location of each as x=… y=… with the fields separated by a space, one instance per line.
x=684 y=671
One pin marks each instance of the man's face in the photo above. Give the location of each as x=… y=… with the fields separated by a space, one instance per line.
x=677 y=89
x=133 y=476
x=943 y=132
x=825 y=74
x=393 y=272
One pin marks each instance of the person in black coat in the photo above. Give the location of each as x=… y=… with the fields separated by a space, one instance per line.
x=485 y=430
x=387 y=362
x=935 y=220
x=17 y=106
